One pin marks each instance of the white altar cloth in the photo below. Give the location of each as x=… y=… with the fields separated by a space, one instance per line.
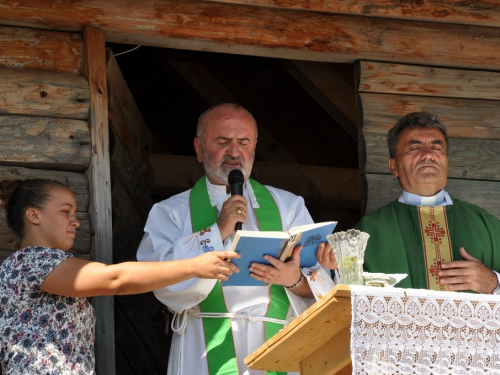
x=416 y=331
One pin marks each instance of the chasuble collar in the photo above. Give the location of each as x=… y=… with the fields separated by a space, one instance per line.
x=442 y=198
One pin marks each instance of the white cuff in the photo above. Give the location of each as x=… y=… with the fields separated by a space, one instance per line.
x=497 y=289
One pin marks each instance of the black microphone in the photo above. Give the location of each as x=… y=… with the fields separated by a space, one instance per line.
x=235 y=181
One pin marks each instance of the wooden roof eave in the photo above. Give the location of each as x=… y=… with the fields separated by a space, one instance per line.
x=477 y=13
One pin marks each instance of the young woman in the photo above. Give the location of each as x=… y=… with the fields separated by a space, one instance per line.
x=46 y=324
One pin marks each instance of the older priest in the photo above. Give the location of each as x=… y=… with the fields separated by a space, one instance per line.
x=442 y=243
x=218 y=326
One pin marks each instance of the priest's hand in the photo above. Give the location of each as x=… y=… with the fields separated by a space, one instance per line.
x=233 y=210
x=468 y=274
x=326 y=257
x=280 y=273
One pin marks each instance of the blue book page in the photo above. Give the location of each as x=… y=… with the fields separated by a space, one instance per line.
x=310 y=240
x=252 y=249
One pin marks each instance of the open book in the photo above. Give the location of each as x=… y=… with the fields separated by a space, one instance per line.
x=253 y=245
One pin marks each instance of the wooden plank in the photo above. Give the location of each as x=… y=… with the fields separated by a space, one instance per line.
x=175 y=172
x=141 y=310
x=40 y=93
x=328 y=318
x=128 y=226
x=329 y=89
x=214 y=92
x=327 y=361
x=181 y=172
x=475 y=159
x=47 y=141
x=485 y=13
x=76 y=182
x=122 y=366
x=382 y=189
x=56 y=51
x=124 y=170
x=9 y=241
x=127 y=121
x=379 y=77
x=100 y=181
x=285 y=33
x=129 y=342
x=464 y=118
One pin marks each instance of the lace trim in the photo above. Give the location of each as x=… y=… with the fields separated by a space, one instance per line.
x=251 y=194
x=248 y=186
x=211 y=196
x=415 y=332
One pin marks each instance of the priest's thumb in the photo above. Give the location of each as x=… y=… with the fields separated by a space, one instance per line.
x=466 y=256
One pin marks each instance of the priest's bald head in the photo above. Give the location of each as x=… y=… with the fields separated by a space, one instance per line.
x=226 y=138
x=418 y=151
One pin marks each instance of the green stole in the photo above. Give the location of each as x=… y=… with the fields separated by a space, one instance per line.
x=221 y=356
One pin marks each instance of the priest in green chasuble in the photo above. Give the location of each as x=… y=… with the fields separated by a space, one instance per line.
x=441 y=242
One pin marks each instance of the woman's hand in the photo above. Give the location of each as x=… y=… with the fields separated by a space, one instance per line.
x=215 y=265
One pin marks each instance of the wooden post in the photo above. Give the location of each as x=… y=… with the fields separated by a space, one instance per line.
x=100 y=191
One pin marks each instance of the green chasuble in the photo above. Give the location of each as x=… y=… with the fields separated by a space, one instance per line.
x=395 y=243
x=221 y=356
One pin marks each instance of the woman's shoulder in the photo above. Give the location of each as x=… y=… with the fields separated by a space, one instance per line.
x=42 y=252
x=35 y=256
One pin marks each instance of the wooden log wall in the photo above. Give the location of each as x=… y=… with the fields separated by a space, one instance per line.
x=466 y=101
x=44 y=121
x=44 y=110
x=141 y=345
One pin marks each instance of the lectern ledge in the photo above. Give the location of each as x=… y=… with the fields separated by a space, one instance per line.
x=315 y=343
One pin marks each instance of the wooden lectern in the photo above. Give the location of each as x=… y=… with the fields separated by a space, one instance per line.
x=315 y=343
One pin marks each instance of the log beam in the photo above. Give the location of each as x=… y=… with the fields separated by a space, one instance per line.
x=45 y=141
x=401 y=79
x=23 y=48
x=285 y=33
x=384 y=188
x=38 y=93
x=76 y=182
x=471 y=159
x=177 y=173
x=484 y=13
x=464 y=118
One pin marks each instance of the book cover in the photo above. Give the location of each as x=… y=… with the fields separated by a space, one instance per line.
x=253 y=245
x=309 y=236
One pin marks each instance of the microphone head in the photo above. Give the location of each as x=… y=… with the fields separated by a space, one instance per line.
x=235 y=177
